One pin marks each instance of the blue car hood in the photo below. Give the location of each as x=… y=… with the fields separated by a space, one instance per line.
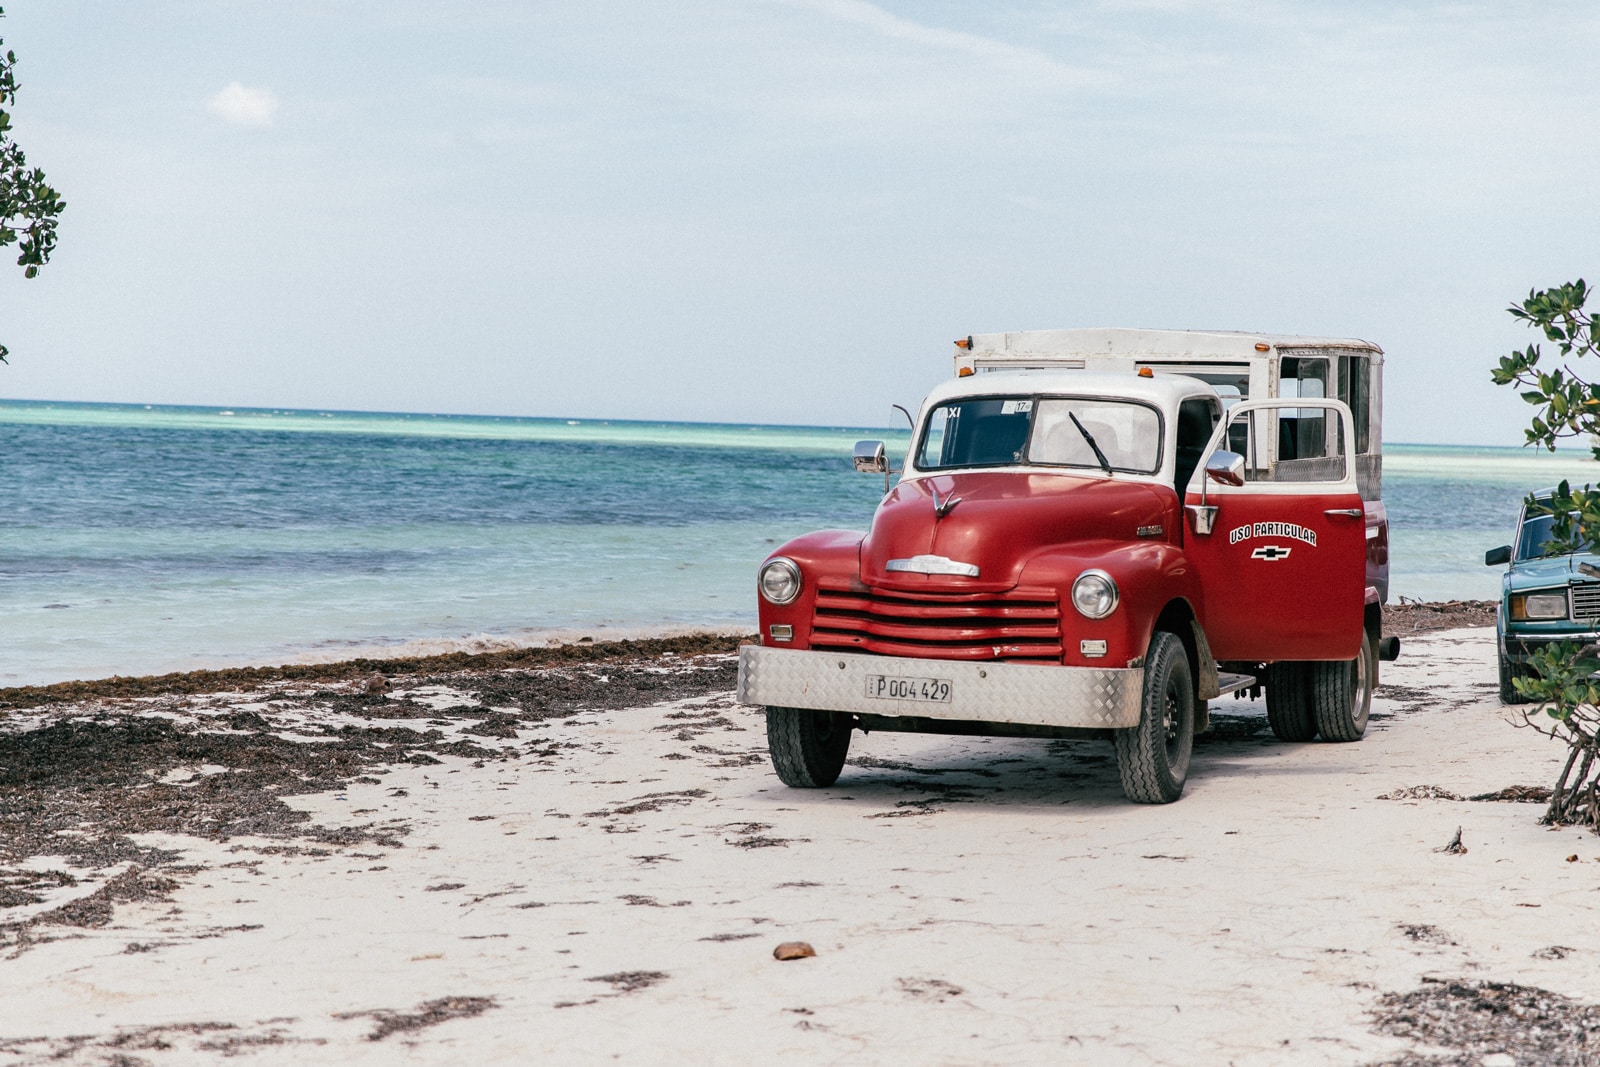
x=1549 y=571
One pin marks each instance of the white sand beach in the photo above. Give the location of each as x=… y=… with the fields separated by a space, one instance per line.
x=612 y=887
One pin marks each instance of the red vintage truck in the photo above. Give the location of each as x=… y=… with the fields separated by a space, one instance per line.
x=1095 y=532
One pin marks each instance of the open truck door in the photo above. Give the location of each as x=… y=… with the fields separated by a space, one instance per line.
x=1276 y=532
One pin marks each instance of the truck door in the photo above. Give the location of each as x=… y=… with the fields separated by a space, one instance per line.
x=1281 y=555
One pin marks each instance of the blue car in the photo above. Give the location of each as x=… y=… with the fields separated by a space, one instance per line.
x=1545 y=597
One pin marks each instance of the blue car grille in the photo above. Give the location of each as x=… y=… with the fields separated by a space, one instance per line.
x=1586 y=601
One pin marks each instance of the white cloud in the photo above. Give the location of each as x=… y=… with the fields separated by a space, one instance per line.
x=244 y=107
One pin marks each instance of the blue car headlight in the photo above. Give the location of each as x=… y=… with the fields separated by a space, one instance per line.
x=1527 y=607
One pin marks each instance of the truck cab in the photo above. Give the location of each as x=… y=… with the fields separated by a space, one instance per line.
x=1094 y=532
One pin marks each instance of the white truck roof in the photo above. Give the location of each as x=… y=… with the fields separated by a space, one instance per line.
x=1167 y=344
x=1164 y=391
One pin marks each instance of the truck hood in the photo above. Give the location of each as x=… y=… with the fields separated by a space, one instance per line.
x=1002 y=519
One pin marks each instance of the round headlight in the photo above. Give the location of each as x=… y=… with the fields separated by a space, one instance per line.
x=779 y=580
x=1094 y=594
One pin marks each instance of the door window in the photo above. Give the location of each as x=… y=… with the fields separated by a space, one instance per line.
x=1197 y=419
x=1318 y=457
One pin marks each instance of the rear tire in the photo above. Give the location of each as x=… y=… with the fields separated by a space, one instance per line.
x=1289 y=706
x=808 y=747
x=1342 y=693
x=1153 y=757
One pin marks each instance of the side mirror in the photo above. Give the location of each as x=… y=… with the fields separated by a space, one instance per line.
x=1497 y=557
x=1225 y=467
x=869 y=458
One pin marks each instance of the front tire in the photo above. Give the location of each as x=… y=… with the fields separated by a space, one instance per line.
x=1153 y=757
x=808 y=747
x=1342 y=693
x=1508 y=692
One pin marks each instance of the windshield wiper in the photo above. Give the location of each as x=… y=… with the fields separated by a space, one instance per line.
x=1087 y=436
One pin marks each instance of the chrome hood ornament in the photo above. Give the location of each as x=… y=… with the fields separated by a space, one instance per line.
x=941 y=508
x=933 y=565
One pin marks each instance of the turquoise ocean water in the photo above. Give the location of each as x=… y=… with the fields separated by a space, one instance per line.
x=141 y=539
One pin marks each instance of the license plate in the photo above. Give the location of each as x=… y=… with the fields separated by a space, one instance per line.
x=926 y=690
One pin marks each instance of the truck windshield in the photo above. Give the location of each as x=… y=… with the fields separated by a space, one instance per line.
x=1040 y=431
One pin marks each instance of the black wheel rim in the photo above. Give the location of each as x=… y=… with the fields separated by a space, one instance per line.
x=826 y=727
x=1172 y=723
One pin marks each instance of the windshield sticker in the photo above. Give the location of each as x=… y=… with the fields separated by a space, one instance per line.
x=1272 y=529
x=1015 y=407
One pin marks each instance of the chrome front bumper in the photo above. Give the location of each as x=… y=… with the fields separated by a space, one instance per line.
x=1087 y=697
x=1519 y=647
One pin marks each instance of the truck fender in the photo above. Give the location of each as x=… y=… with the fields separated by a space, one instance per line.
x=1206 y=683
x=1178 y=618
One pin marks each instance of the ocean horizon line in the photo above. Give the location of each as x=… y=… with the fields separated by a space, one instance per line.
x=442 y=425
x=238 y=410
x=460 y=424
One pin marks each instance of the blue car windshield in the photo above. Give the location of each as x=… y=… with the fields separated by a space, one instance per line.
x=1534 y=540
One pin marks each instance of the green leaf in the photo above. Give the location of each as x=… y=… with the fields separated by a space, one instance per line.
x=29 y=207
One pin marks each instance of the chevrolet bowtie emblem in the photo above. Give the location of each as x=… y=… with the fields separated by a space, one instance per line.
x=1270 y=553
x=941 y=508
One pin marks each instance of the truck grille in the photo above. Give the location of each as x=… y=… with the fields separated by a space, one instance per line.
x=1020 y=624
x=1586 y=601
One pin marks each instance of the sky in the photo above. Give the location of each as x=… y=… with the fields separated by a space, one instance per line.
x=781 y=211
